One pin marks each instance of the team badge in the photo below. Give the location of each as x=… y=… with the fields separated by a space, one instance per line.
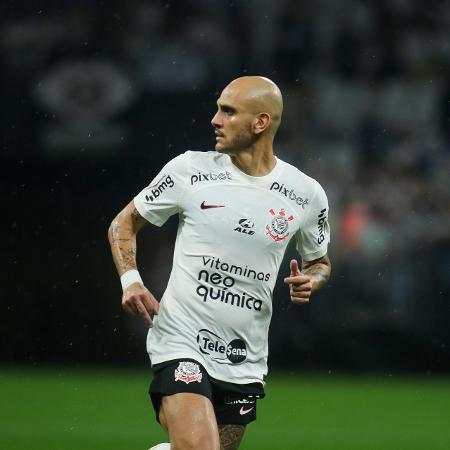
x=278 y=229
x=188 y=372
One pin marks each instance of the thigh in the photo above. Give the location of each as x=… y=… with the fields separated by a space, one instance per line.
x=190 y=421
x=181 y=395
x=179 y=376
x=231 y=436
x=233 y=412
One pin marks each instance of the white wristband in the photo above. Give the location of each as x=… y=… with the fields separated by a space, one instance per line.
x=130 y=277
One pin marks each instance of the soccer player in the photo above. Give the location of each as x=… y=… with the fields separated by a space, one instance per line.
x=238 y=207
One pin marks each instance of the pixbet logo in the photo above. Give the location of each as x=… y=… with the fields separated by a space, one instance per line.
x=211 y=176
x=320 y=225
x=290 y=194
x=216 y=347
x=159 y=187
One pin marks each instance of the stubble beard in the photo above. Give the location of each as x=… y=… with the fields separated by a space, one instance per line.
x=243 y=140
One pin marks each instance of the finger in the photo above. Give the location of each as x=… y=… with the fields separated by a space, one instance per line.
x=150 y=303
x=300 y=294
x=301 y=291
x=299 y=287
x=297 y=279
x=297 y=293
x=299 y=301
x=294 y=267
x=129 y=307
x=144 y=313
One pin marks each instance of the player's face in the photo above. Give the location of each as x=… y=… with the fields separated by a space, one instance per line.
x=233 y=124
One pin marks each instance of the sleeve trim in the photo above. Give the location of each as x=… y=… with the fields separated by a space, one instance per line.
x=312 y=201
x=316 y=255
x=145 y=214
x=184 y=190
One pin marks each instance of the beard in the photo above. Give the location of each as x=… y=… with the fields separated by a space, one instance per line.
x=242 y=140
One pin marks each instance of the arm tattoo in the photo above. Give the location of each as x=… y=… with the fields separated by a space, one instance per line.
x=230 y=436
x=136 y=216
x=122 y=237
x=319 y=270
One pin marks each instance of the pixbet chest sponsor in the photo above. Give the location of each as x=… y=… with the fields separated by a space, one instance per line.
x=210 y=176
x=289 y=193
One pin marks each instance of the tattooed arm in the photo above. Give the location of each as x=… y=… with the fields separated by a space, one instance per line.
x=318 y=270
x=230 y=436
x=313 y=276
x=122 y=238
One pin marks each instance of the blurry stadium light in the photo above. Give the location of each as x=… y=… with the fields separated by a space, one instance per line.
x=83 y=98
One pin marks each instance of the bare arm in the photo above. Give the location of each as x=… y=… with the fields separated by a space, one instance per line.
x=318 y=270
x=136 y=299
x=230 y=436
x=313 y=276
x=122 y=237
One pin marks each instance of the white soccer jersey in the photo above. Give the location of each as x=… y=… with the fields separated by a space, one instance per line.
x=232 y=234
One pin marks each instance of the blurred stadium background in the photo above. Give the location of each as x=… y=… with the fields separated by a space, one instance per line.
x=97 y=96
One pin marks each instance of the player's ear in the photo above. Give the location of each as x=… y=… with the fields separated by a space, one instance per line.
x=262 y=122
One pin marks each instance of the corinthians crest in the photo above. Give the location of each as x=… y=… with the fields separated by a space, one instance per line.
x=278 y=229
x=188 y=372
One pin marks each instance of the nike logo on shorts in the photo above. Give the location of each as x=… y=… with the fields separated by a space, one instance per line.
x=205 y=206
x=243 y=411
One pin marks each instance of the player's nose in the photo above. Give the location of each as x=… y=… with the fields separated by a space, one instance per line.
x=215 y=121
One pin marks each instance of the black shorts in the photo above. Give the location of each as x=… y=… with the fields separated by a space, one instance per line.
x=233 y=403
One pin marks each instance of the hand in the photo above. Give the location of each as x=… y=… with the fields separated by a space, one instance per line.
x=300 y=285
x=138 y=300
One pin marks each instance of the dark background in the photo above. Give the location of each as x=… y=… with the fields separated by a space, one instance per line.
x=97 y=96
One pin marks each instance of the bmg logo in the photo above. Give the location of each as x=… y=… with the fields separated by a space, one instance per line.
x=322 y=217
x=160 y=186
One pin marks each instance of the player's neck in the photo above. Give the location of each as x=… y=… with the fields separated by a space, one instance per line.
x=255 y=163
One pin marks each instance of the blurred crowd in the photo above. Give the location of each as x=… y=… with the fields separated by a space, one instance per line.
x=367 y=105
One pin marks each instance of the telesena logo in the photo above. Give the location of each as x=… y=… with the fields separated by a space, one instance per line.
x=322 y=217
x=218 y=349
x=290 y=194
x=210 y=176
x=157 y=188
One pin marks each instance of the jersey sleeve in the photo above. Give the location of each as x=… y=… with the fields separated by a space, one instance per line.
x=314 y=236
x=161 y=198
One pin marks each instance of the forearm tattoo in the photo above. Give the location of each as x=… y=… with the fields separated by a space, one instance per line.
x=230 y=436
x=122 y=237
x=319 y=270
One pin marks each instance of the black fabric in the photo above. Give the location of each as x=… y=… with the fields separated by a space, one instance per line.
x=233 y=403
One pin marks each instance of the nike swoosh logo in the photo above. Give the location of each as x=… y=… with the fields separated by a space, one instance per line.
x=243 y=411
x=203 y=206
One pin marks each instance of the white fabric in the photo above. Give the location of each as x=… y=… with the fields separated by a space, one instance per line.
x=233 y=232
x=161 y=447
